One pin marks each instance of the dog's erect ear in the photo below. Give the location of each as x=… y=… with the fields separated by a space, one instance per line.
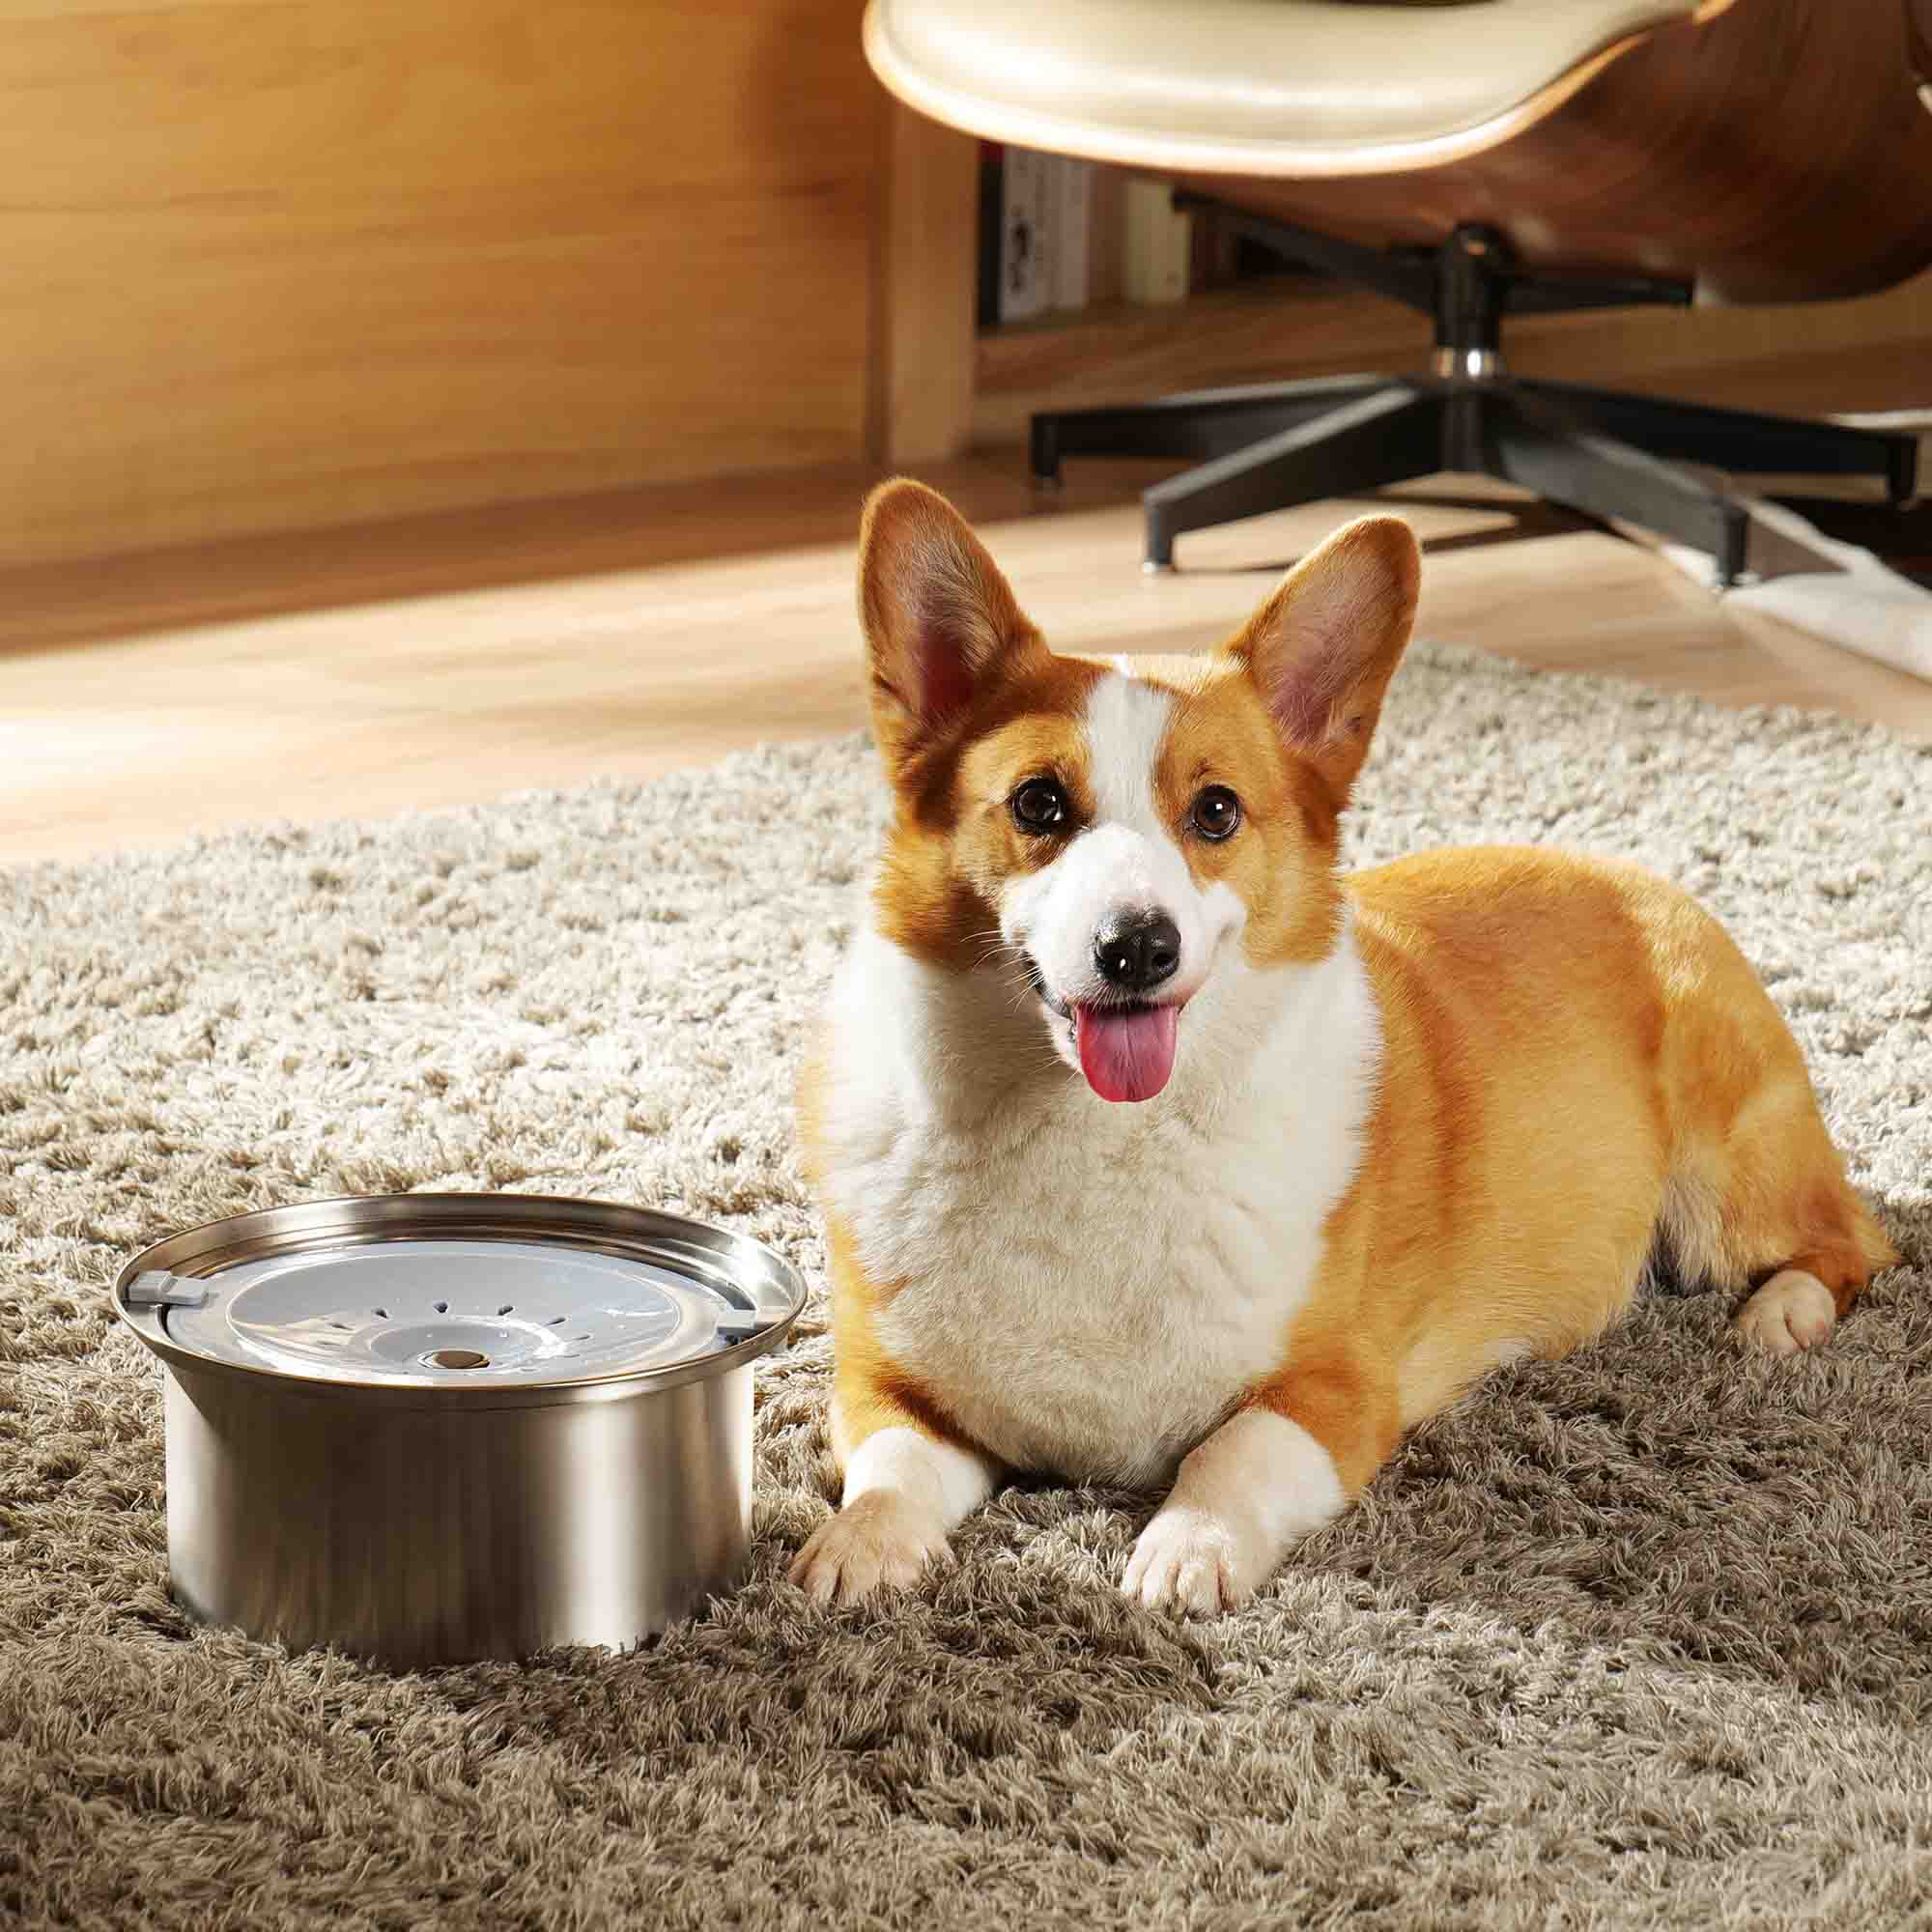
x=1323 y=648
x=939 y=617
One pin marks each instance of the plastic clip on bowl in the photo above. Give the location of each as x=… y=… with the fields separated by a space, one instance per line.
x=431 y=1428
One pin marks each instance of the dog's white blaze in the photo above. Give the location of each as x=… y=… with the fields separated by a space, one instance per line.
x=1127 y=859
x=1127 y=723
x=1086 y=1288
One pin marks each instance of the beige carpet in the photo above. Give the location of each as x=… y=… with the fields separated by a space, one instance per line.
x=1643 y=1638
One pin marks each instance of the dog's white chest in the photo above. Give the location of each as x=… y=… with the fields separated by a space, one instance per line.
x=1086 y=1288
x=1090 y=1317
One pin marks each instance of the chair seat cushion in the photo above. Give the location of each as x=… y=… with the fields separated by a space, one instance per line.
x=1242 y=86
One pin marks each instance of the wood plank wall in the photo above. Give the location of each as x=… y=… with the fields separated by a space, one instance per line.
x=925 y=272
x=290 y=264
x=282 y=264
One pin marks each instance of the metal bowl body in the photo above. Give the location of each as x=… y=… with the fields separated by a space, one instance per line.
x=429 y=1536
x=446 y=1519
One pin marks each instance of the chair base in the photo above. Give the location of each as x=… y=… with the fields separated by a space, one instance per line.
x=1607 y=454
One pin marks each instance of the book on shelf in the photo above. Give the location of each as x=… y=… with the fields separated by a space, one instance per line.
x=1057 y=235
x=1157 y=264
x=1036 y=227
x=992 y=210
x=1026 y=211
x=1070 y=230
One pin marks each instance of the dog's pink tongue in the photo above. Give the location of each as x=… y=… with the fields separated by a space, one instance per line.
x=1125 y=1052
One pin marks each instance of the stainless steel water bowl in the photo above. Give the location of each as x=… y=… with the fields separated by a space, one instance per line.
x=432 y=1428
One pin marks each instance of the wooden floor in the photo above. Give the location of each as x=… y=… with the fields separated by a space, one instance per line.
x=461 y=657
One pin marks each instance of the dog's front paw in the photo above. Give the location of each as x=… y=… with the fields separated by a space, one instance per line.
x=878 y=1539
x=1192 y=1561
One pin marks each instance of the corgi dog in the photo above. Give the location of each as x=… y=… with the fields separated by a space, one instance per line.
x=1154 y=1151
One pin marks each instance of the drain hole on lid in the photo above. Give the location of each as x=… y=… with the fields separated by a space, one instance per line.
x=383 y=1313
x=459 y=1358
x=441 y=1307
x=506 y=1307
x=556 y=1321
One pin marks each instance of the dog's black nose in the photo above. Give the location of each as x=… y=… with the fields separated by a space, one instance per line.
x=1139 y=953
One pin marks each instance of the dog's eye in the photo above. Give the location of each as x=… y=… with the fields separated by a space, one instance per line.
x=1215 y=813
x=1039 y=806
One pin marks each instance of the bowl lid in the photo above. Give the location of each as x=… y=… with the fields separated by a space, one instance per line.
x=463 y=1294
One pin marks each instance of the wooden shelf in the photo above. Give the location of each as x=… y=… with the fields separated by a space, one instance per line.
x=1107 y=319
x=1276 y=331
x=1270 y=328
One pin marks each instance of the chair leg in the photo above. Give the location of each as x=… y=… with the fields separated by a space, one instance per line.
x=1742 y=439
x=1197 y=426
x=1391 y=434
x=1531 y=443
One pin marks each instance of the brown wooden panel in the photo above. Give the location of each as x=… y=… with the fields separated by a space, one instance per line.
x=926 y=266
x=1777 y=150
x=274 y=266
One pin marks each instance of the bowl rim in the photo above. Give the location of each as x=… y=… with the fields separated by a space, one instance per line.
x=676 y=1241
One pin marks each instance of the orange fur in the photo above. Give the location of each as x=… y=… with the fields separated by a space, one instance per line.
x=1630 y=1027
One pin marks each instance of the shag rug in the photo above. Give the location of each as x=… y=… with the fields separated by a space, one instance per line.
x=1639 y=1638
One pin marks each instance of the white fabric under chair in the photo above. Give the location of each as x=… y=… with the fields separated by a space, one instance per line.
x=1829 y=589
